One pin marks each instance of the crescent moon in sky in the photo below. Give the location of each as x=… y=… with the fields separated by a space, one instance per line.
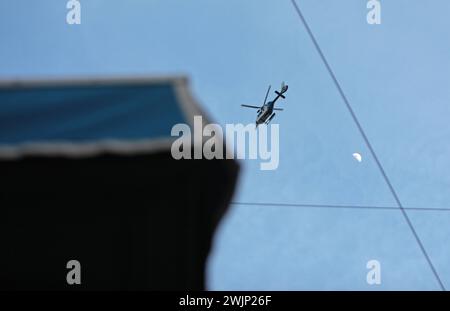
x=357 y=156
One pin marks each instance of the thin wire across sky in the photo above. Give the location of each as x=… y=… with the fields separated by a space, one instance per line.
x=364 y=207
x=366 y=140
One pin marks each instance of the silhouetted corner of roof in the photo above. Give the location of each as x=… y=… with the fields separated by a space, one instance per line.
x=99 y=80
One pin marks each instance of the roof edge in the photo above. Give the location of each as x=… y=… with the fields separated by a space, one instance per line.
x=92 y=80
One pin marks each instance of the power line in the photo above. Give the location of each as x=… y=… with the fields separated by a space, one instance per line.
x=369 y=145
x=333 y=206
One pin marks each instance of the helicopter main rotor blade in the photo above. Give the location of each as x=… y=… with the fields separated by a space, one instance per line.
x=250 y=106
x=267 y=94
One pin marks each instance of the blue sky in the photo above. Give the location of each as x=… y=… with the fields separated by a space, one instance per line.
x=395 y=75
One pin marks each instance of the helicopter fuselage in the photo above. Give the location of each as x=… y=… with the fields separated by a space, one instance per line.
x=265 y=113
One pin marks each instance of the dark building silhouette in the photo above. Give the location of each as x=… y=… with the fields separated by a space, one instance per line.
x=86 y=174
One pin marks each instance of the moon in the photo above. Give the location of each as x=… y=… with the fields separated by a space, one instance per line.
x=357 y=157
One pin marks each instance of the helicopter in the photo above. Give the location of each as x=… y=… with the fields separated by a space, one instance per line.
x=266 y=113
